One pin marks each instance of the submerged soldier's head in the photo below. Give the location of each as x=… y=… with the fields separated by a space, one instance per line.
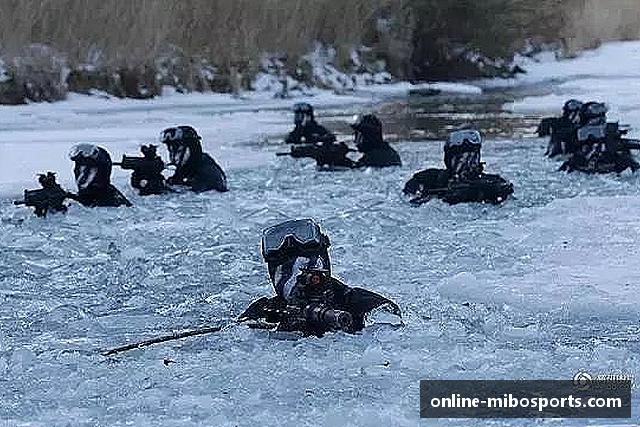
x=302 y=114
x=593 y=113
x=367 y=132
x=92 y=168
x=571 y=110
x=184 y=145
x=462 y=153
x=293 y=246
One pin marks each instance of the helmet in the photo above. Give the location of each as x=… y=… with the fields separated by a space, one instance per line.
x=92 y=169
x=303 y=107
x=462 y=153
x=464 y=137
x=183 y=143
x=84 y=153
x=293 y=238
x=302 y=111
x=368 y=130
x=291 y=246
x=571 y=106
x=593 y=113
x=367 y=123
x=571 y=110
x=179 y=134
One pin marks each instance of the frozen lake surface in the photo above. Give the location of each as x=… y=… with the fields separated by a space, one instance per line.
x=540 y=288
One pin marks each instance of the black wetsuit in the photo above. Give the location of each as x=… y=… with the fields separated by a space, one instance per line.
x=428 y=179
x=369 y=140
x=200 y=173
x=108 y=196
x=463 y=180
x=92 y=171
x=590 y=160
x=383 y=155
x=357 y=301
x=311 y=133
x=563 y=138
x=149 y=180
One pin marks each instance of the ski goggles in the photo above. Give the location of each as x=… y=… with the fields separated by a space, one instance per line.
x=595 y=109
x=86 y=153
x=461 y=137
x=302 y=107
x=573 y=105
x=292 y=236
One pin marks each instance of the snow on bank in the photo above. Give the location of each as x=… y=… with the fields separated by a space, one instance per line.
x=400 y=88
x=609 y=74
x=611 y=60
x=364 y=76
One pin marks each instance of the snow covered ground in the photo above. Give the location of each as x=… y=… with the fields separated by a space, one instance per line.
x=609 y=74
x=539 y=288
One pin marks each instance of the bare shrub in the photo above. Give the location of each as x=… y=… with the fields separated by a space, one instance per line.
x=113 y=39
x=41 y=72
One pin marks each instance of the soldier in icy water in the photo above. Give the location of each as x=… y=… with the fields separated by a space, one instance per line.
x=331 y=155
x=307 y=130
x=562 y=130
x=602 y=148
x=464 y=179
x=195 y=169
x=308 y=299
x=92 y=172
x=376 y=152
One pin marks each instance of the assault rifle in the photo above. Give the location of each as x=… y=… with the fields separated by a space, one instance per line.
x=147 y=171
x=325 y=154
x=487 y=188
x=615 y=136
x=310 y=308
x=150 y=163
x=49 y=198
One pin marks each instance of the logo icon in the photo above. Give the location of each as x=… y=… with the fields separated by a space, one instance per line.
x=582 y=381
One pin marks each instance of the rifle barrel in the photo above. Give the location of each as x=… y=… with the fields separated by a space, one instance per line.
x=172 y=337
x=282 y=154
x=19 y=202
x=631 y=144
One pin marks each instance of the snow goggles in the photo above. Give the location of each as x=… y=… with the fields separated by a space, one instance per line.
x=461 y=137
x=296 y=236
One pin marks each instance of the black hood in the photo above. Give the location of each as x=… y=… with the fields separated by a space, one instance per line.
x=185 y=154
x=303 y=114
x=92 y=168
x=368 y=133
x=184 y=146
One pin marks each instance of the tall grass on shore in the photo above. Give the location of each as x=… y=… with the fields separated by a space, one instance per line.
x=134 y=32
x=125 y=39
x=591 y=22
